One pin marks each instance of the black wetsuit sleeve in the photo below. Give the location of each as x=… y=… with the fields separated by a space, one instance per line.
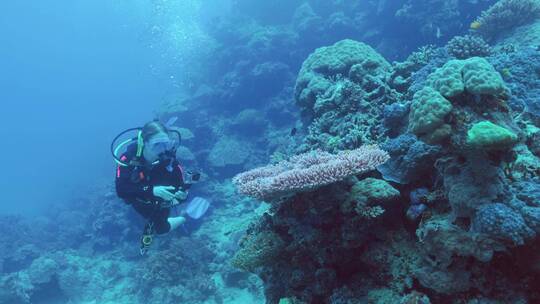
x=128 y=189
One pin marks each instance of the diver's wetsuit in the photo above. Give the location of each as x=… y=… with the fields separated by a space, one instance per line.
x=134 y=184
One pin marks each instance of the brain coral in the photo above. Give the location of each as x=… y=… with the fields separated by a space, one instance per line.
x=447 y=80
x=428 y=111
x=474 y=75
x=430 y=106
x=481 y=78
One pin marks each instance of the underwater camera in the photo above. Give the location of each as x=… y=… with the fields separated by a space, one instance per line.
x=192 y=177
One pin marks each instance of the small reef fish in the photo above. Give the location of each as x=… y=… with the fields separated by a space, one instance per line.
x=439 y=33
x=293 y=132
x=475 y=25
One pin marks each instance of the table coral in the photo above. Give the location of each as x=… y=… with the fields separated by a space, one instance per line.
x=308 y=171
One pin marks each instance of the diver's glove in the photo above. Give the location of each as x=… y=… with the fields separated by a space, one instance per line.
x=164 y=192
x=181 y=195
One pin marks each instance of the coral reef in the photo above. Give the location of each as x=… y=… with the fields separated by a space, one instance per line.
x=520 y=71
x=401 y=77
x=257 y=250
x=411 y=160
x=458 y=167
x=522 y=37
x=464 y=47
x=428 y=111
x=370 y=191
x=445 y=211
x=369 y=196
x=488 y=136
x=341 y=89
x=505 y=15
x=52 y=263
x=499 y=221
x=474 y=75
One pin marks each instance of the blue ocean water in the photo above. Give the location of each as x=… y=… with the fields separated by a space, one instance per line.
x=332 y=151
x=72 y=73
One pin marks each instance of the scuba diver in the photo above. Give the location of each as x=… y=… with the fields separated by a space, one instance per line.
x=150 y=178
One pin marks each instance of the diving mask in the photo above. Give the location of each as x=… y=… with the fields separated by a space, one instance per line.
x=160 y=144
x=157 y=146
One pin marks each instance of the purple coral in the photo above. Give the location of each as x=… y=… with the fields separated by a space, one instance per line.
x=308 y=171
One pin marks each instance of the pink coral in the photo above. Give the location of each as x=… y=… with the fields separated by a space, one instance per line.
x=308 y=171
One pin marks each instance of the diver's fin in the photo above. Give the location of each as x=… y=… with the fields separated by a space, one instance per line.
x=175 y=222
x=197 y=207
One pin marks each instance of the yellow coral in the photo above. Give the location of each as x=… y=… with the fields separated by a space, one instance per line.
x=257 y=250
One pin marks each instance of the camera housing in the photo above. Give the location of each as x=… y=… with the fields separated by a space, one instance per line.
x=192 y=177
